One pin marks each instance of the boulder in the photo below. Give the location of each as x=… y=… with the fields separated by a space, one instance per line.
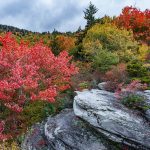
x=147 y=114
x=147 y=103
x=109 y=117
x=35 y=139
x=67 y=132
x=102 y=85
x=64 y=131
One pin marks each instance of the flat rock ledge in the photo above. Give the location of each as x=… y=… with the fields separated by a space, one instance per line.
x=109 y=117
x=64 y=131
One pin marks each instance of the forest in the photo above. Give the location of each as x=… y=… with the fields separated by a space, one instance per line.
x=40 y=72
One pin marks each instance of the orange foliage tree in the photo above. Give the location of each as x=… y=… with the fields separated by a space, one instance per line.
x=65 y=42
x=61 y=43
x=136 y=20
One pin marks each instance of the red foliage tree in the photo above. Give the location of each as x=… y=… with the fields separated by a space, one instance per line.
x=30 y=74
x=136 y=20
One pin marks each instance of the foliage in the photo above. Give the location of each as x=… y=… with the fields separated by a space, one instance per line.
x=110 y=38
x=115 y=76
x=84 y=79
x=84 y=85
x=143 y=52
x=103 y=60
x=91 y=49
x=136 y=20
x=133 y=101
x=61 y=43
x=104 y=20
x=129 y=96
x=36 y=112
x=89 y=14
x=136 y=69
x=9 y=146
x=29 y=75
x=76 y=52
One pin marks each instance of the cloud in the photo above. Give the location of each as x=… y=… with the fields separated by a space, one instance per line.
x=63 y=15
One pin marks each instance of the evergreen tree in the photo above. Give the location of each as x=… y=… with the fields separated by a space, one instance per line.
x=89 y=14
x=79 y=29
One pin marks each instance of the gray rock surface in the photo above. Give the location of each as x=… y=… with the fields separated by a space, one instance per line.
x=147 y=113
x=67 y=132
x=64 y=132
x=109 y=117
x=35 y=139
x=102 y=85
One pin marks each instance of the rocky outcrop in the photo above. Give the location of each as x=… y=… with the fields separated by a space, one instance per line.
x=97 y=122
x=109 y=117
x=35 y=139
x=147 y=113
x=67 y=132
x=64 y=132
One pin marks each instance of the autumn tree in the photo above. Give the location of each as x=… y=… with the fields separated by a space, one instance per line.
x=61 y=43
x=28 y=74
x=136 y=20
x=109 y=37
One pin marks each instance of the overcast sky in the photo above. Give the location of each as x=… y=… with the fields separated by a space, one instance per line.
x=63 y=15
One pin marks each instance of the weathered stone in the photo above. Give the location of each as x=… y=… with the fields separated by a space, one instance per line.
x=35 y=139
x=147 y=114
x=64 y=132
x=102 y=85
x=108 y=116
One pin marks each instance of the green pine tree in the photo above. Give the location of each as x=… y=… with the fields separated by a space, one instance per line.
x=89 y=14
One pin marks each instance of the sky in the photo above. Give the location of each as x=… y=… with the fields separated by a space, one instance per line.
x=63 y=15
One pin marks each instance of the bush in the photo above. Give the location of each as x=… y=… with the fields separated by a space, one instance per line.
x=115 y=76
x=143 y=52
x=9 y=146
x=136 y=69
x=84 y=85
x=36 y=112
x=134 y=101
x=128 y=95
x=104 y=60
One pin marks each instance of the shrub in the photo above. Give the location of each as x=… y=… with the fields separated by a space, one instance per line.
x=29 y=74
x=9 y=146
x=36 y=111
x=104 y=60
x=129 y=96
x=136 y=69
x=92 y=49
x=143 y=52
x=84 y=78
x=133 y=101
x=115 y=76
x=84 y=85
